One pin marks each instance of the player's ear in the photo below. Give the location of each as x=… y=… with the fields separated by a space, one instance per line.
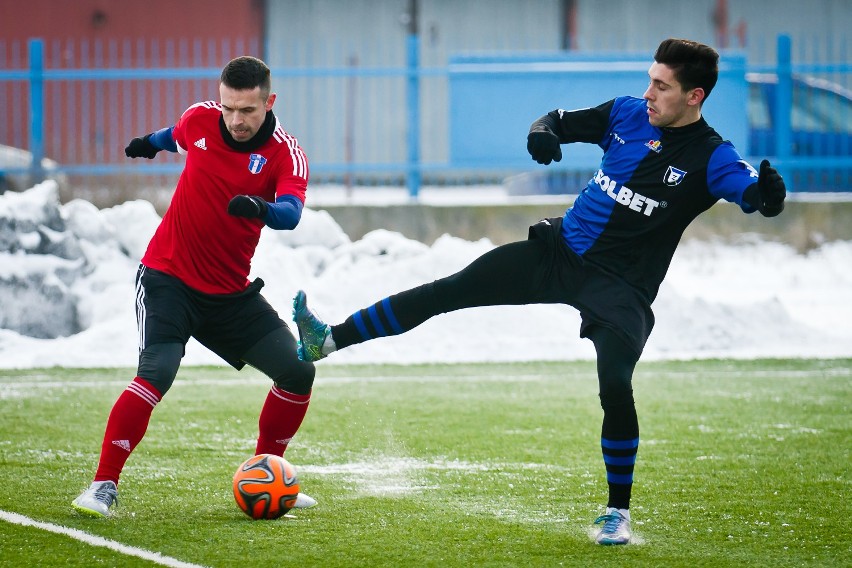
x=695 y=96
x=270 y=100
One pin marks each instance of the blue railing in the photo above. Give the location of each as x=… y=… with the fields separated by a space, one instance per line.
x=109 y=160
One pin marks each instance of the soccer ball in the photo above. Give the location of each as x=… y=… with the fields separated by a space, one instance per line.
x=266 y=486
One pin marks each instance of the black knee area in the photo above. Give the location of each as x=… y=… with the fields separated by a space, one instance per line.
x=620 y=421
x=158 y=364
x=275 y=356
x=615 y=362
x=617 y=399
x=299 y=379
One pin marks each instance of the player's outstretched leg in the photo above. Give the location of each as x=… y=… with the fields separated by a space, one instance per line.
x=616 y=527
x=97 y=499
x=312 y=330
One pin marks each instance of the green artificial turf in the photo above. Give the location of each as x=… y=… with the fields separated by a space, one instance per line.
x=741 y=463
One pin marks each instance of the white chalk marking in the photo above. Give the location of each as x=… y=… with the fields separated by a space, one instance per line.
x=93 y=540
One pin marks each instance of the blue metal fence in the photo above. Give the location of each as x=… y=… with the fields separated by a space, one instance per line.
x=82 y=117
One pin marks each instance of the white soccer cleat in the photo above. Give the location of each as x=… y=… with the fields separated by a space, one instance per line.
x=97 y=500
x=616 y=528
x=304 y=501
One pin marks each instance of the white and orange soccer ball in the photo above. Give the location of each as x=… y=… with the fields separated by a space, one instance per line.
x=266 y=486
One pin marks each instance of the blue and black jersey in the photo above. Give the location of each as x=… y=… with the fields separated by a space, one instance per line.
x=651 y=183
x=609 y=253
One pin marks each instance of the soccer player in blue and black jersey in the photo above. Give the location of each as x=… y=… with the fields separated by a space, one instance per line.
x=662 y=166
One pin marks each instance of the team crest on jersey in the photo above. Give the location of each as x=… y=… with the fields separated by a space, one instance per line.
x=654 y=145
x=256 y=162
x=673 y=176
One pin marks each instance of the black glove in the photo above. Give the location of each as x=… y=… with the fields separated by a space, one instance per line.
x=543 y=146
x=250 y=206
x=772 y=191
x=141 y=148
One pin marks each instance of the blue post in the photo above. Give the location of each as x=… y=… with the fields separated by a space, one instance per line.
x=784 y=106
x=413 y=103
x=36 y=49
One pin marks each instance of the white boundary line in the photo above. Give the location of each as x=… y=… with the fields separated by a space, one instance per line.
x=87 y=538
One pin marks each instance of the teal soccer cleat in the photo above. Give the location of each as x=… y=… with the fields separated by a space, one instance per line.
x=312 y=330
x=616 y=527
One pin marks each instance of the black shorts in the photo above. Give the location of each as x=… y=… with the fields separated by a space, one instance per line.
x=603 y=298
x=169 y=311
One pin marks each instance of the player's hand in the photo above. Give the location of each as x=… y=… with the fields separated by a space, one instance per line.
x=141 y=148
x=770 y=186
x=543 y=146
x=250 y=206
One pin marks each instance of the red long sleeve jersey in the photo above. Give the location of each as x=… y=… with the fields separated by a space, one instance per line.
x=198 y=241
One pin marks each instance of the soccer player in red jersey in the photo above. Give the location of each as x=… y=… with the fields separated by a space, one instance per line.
x=242 y=171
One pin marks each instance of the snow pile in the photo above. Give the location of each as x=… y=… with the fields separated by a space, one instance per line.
x=67 y=292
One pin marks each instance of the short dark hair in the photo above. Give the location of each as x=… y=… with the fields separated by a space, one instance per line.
x=246 y=73
x=694 y=64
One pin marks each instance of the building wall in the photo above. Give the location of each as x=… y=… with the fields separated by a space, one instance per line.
x=345 y=118
x=750 y=25
x=364 y=120
x=121 y=20
x=91 y=121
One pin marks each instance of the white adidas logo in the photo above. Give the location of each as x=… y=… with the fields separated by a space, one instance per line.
x=201 y=143
x=123 y=444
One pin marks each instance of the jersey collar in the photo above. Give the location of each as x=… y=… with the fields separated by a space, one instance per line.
x=688 y=128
